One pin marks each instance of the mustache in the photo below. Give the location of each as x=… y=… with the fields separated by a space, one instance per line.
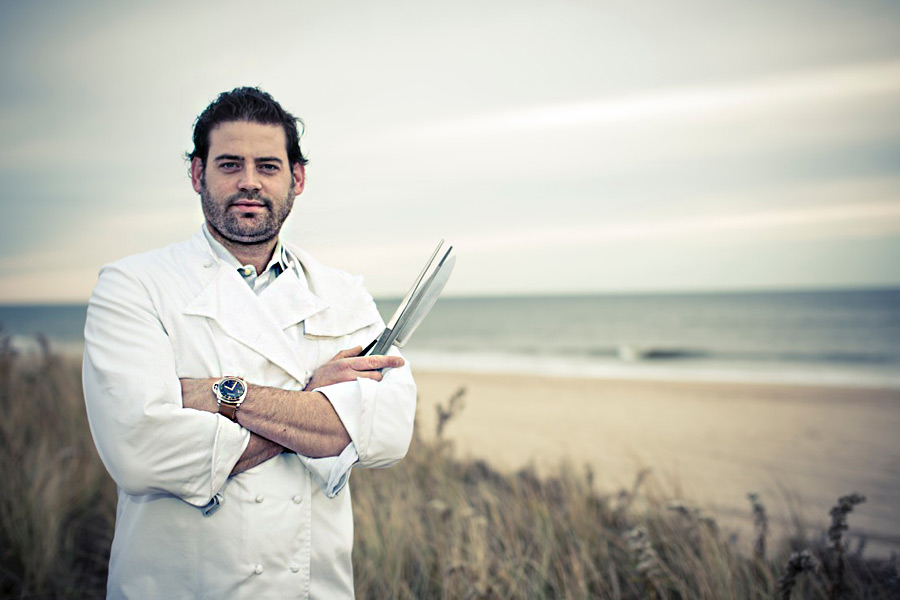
x=254 y=196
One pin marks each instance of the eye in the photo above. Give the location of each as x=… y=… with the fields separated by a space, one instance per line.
x=229 y=165
x=268 y=168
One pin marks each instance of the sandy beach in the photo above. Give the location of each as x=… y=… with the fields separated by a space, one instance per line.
x=799 y=447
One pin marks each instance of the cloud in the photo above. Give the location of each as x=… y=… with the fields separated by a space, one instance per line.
x=856 y=220
x=791 y=91
x=852 y=208
x=788 y=116
x=105 y=238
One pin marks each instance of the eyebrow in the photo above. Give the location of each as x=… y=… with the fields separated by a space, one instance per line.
x=261 y=159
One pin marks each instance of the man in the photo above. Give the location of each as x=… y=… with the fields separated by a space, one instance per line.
x=223 y=389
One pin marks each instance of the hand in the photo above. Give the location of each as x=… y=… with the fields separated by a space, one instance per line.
x=346 y=365
x=198 y=394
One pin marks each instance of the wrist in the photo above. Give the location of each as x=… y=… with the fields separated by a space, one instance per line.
x=230 y=392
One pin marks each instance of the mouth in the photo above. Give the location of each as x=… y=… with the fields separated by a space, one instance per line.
x=248 y=205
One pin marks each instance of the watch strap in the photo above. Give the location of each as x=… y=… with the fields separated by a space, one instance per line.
x=228 y=407
x=228 y=410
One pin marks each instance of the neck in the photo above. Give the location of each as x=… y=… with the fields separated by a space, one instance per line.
x=257 y=254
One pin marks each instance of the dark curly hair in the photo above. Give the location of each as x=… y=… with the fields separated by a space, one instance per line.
x=246 y=104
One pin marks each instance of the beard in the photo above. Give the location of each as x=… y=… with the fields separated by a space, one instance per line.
x=245 y=228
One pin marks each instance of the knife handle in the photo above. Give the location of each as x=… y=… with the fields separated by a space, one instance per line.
x=367 y=348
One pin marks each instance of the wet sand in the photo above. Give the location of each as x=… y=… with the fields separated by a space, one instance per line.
x=799 y=447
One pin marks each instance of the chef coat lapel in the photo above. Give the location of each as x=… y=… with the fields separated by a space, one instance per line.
x=246 y=317
x=347 y=307
x=289 y=302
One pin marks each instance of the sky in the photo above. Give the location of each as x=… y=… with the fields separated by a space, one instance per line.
x=561 y=147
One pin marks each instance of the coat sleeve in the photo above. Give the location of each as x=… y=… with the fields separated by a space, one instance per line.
x=148 y=442
x=378 y=415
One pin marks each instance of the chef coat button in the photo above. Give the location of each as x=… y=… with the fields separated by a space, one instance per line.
x=208 y=265
x=298 y=499
x=295 y=569
x=258 y=570
x=259 y=498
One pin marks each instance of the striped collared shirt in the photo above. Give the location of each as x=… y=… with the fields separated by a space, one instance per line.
x=282 y=260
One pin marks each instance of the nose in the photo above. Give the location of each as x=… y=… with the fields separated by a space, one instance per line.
x=249 y=181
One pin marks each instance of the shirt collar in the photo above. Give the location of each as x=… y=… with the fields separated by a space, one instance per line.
x=281 y=259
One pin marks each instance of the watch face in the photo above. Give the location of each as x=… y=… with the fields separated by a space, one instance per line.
x=232 y=389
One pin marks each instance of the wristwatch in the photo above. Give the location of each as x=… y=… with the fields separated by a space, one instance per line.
x=230 y=393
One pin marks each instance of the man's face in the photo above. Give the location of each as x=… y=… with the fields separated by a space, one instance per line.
x=247 y=186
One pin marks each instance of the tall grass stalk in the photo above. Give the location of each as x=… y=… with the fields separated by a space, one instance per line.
x=799 y=563
x=836 y=531
x=760 y=524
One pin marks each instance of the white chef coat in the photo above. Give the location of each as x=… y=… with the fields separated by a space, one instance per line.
x=182 y=312
x=332 y=472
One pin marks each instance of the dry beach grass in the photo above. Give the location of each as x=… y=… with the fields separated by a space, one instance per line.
x=435 y=526
x=798 y=447
x=57 y=504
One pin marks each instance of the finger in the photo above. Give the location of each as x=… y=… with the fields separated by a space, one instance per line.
x=371 y=363
x=389 y=362
x=348 y=353
x=375 y=375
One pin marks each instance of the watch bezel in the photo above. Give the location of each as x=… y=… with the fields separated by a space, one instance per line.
x=220 y=395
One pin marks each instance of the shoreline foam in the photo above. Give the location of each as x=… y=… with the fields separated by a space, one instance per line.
x=579 y=367
x=682 y=370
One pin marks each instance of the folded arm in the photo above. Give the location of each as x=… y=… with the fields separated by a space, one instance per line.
x=375 y=409
x=304 y=422
x=258 y=451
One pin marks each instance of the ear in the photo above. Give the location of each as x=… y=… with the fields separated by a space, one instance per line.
x=196 y=173
x=299 y=175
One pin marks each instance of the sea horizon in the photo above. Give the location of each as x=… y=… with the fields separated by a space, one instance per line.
x=569 y=294
x=844 y=337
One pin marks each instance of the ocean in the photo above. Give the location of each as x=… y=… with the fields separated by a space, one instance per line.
x=817 y=337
